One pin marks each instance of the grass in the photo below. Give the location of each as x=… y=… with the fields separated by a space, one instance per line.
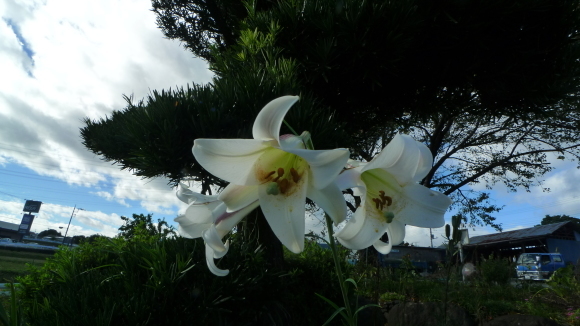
x=14 y=263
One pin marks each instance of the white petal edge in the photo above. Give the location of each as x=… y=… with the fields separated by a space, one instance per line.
x=423 y=207
x=237 y=197
x=213 y=240
x=401 y=158
x=209 y=254
x=192 y=231
x=325 y=165
x=225 y=221
x=269 y=120
x=230 y=159
x=285 y=215
x=396 y=232
x=362 y=232
x=351 y=179
x=331 y=200
x=188 y=196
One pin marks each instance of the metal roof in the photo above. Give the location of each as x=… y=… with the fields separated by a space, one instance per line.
x=9 y=226
x=528 y=233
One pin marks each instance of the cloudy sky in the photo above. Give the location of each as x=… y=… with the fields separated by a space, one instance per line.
x=62 y=61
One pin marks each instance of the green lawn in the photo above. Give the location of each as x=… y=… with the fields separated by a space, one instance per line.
x=13 y=263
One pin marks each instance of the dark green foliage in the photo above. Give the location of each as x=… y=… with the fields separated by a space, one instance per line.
x=49 y=233
x=496 y=270
x=119 y=282
x=550 y=219
x=142 y=227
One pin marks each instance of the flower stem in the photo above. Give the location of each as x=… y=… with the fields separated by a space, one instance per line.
x=343 y=287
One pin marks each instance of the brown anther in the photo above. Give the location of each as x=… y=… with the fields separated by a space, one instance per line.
x=389 y=200
x=377 y=203
x=283 y=185
x=280 y=172
x=382 y=193
x=295 y=176
x=269 y=174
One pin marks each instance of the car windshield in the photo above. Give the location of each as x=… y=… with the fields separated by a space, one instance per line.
x=527 y=259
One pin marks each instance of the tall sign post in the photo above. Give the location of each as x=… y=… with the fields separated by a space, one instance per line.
x=31 y=206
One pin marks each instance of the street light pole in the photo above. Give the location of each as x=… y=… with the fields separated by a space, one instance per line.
x=71 y=216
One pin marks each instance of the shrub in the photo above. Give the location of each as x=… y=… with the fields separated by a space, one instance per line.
x=496 y=270
x=166 y=282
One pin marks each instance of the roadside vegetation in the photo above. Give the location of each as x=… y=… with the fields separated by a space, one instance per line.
x=160 y=279
x=16 y=263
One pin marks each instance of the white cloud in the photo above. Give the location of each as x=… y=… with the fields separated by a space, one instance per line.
x=62 y=61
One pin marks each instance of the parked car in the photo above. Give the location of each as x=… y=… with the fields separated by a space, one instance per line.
x=538 y=266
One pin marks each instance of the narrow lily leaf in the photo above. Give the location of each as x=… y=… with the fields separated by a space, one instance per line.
x=366 y=306
x=269 y=120
x=331 y=200
x=424 y=207
x=324 y=164
x=350 y=280
x=237 y=197
x=338 y=310
x=230 y=159
x=285 y=214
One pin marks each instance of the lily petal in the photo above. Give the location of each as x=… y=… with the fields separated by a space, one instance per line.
x=351 y=179
x=331 y=200
x=188 y=196
x=269 y=120
x=230 y=159
x=424 y=207
x=192 y=231
x=237 y=197
x=285 y=214
x=324 y=164
x=225 y=221
x=213 y=240
x=209 y=254
x=402 y=158
x=197 y=218
x=362 y=232
x=396 y=234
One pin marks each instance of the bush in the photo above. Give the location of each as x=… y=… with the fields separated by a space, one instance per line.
x=166 y=282
x=496 y=270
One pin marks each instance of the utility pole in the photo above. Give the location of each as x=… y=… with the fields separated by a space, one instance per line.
x=71 y=216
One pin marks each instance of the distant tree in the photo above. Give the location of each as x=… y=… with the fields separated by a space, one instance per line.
x=142 y=226
x=551 y=219
x=77 y=239
x=95 y=237
x=49 y=233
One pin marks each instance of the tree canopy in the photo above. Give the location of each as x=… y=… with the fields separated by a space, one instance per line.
x=551 y=219
x=490 y=86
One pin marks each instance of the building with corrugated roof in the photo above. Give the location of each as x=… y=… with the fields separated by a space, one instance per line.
x=557 y=237
x=9 y=230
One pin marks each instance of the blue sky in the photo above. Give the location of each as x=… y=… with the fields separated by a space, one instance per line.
x=62 y=61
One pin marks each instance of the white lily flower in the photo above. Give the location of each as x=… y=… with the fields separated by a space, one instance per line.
x=391 y=196
x=206 y=217
x=278 y=171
